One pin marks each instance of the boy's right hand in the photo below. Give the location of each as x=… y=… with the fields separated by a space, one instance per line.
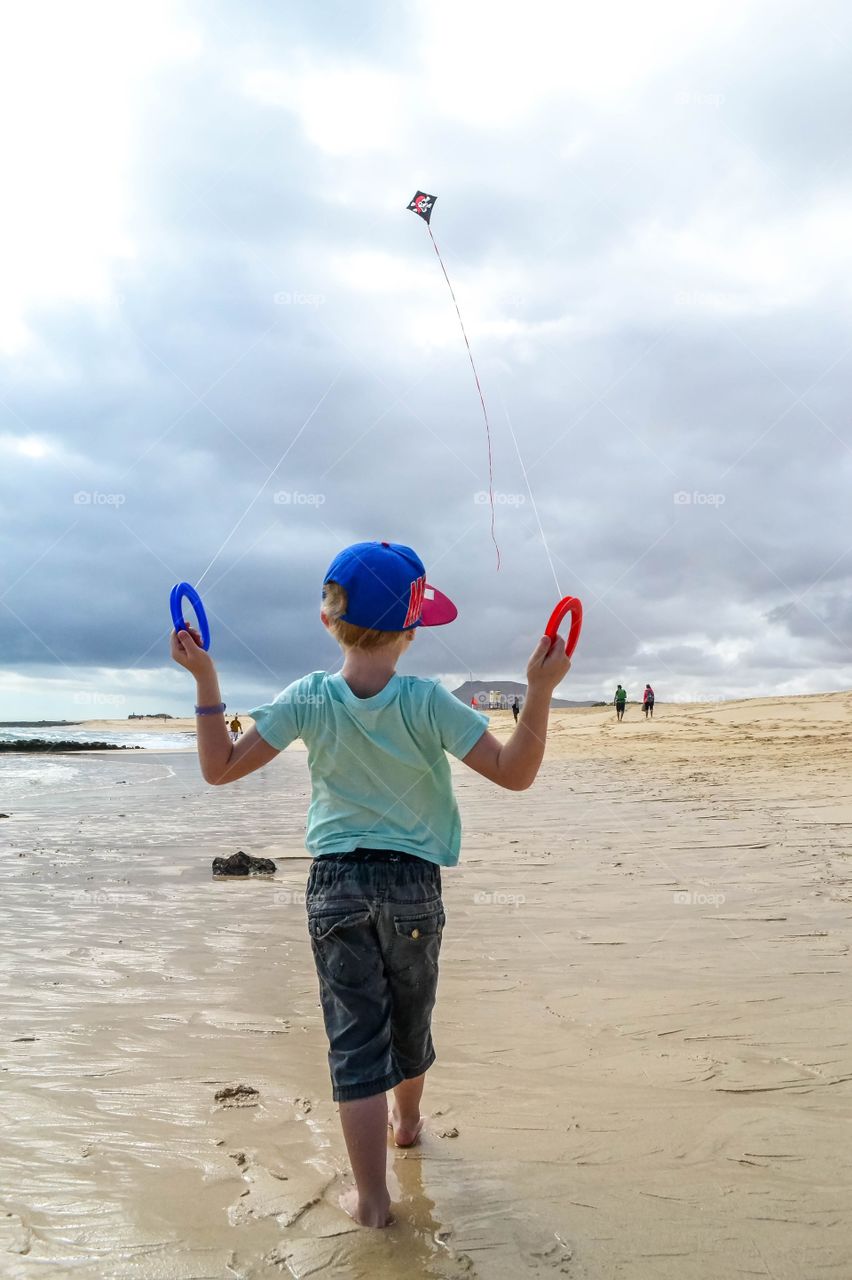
x=549 y=664
x=187 y=652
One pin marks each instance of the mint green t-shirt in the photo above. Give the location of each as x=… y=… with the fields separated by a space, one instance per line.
x=380 y=776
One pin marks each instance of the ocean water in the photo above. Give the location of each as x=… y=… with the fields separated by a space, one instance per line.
x=29 y=782
x=25 y=779
x=29 y=777
x=118 y=737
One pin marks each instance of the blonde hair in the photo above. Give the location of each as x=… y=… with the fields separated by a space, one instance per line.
x=335 y=602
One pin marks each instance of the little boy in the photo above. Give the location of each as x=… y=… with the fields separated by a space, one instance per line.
x=382 y=822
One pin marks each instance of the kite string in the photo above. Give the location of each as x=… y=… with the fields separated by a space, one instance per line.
x=532 y=499
x=269 y=477
x=479 y=389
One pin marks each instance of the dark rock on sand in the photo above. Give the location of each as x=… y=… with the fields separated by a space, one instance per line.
x=237 y=1095
x=243 y=864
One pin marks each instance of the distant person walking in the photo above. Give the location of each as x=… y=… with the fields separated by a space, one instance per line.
x=516 y=709
x=648 y=701
x=236 y=728
x=620 y=701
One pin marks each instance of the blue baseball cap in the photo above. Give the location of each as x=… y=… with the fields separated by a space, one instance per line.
x=386 y=588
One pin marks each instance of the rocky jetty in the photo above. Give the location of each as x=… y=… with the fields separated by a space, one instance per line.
x=64 y=744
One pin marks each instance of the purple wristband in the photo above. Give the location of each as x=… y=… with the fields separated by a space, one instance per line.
x=218 y=710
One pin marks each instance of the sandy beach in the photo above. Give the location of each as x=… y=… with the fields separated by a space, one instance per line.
x=643 y=1027
x=178 y=724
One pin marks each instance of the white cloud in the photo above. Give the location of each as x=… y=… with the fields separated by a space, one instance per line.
x=345 y=109
x=25 y=446
x=71 y=81
x=492 y=61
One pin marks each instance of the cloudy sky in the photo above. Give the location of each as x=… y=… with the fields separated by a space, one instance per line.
x=224 y=339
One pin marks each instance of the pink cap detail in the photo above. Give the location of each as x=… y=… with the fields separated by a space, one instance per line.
x=438 y=609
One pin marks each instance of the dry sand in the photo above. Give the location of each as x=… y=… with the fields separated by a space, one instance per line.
x=181 y=724
x=643 y=1028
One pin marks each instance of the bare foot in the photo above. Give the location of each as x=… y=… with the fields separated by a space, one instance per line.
x=405 y=1132
x=365 y=1215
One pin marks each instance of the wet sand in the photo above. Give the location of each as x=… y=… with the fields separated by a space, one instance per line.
x=643 y=1027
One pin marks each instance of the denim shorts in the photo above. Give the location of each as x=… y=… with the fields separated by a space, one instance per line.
x=375 y=918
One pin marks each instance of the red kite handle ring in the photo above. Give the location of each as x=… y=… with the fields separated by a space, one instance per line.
x=569 y=604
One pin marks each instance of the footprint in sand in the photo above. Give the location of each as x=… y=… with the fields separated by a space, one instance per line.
x=512 y=1253
x=274 y=1194
x=557 y=1256
x=15 y=1234
x=329 y=1249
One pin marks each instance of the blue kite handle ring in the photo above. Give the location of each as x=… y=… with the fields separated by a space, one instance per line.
x=183 y=591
